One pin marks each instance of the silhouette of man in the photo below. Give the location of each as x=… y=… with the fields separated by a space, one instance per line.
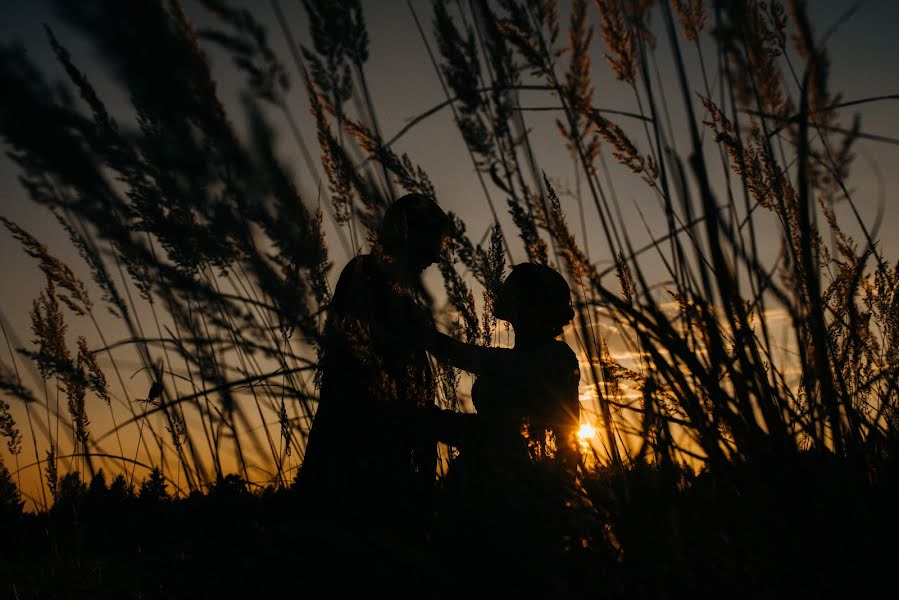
x=369 y=454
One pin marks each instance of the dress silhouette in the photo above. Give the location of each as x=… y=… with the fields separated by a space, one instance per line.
x=507 y=491
x=369 y=460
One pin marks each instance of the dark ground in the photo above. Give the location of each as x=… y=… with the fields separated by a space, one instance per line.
x=810 y=527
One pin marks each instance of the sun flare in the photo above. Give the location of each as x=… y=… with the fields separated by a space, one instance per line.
x=586 y=432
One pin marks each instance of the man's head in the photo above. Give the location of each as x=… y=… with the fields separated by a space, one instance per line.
x=413 y=230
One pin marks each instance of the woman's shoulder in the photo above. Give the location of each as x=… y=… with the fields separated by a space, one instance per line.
x=559 y=353
x=562 y=360
x=551 y=362
x=563 y=350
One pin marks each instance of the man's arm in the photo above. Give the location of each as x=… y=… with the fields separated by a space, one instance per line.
x=468 y=357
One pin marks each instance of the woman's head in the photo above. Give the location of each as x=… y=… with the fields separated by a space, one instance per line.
x=413 y=230
x=535 y=297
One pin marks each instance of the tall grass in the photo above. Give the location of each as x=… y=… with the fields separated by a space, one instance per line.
x=202 y=246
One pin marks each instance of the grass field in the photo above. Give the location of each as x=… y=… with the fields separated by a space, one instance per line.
x=737 y=322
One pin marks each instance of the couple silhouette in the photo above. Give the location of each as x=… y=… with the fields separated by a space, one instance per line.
x=370 y=463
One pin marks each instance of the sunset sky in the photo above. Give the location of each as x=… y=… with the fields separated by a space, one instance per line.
x=863 y=52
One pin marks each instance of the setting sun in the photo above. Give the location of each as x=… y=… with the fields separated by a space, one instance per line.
x=586 y=432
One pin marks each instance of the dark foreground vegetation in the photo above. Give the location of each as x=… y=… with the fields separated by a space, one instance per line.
x=813 y=526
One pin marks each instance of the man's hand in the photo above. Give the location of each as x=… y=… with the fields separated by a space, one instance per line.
x=421 y=326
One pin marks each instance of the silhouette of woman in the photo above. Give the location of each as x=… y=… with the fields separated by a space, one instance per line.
x=519 y=453
x=368 y=461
